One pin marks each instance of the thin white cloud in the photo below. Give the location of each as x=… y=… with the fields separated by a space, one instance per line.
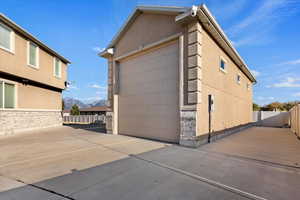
x=101 y=92
x=296 y=94
x=269 y=10
x=265 y=98
x=291 y=62
x=288 y=83
x=257 y=27
x=254 y=39
x=255 y=73
x=97 y=86
x=98 y=49
x=227 y=10
x=73 y=87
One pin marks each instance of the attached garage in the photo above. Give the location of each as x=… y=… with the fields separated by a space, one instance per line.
x=163 y=66
x=148 y=94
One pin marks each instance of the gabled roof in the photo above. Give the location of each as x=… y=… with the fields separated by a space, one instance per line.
x=181 y=15
x=11 y=24
x=145 y=9
x=172 y=10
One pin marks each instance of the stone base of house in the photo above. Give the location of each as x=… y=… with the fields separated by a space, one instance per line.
x=196 y=141
x=15 y=121
x=109 y=122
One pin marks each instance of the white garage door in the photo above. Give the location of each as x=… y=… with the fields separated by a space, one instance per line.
x=148 y=97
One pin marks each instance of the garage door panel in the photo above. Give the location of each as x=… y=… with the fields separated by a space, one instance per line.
x=153 y=98
x=155 y=113
x=144 y=82
x=148 y=88
x=148 y=97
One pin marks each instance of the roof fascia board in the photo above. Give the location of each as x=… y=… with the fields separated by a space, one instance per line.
x=164 y=9
x=123 y=28
x=26 y=34
x=221 y=33
x=138 y=10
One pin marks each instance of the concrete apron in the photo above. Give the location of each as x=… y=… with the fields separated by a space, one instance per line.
x=38 y=156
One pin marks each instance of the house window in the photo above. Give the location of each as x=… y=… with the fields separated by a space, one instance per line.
x=7 y=95
x=57 y=68
x=33 y=55
x=223 y=65
x=238 y=79
x=6 y=38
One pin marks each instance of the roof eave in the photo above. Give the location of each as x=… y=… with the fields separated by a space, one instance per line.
x=183 y=15
x=140 y=9
x=25 y=33
x=204 y=14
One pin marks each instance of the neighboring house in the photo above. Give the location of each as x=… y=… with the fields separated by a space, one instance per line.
x=96 y=110
x=164 y=64
x=32 y=78
x=66 y=113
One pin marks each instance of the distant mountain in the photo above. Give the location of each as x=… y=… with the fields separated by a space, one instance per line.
x=69 y=102
x=101 y=102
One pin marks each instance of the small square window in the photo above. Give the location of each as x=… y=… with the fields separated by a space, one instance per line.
x=6 y=38
x=238 y=79
x=7 y=95
x=57 y=68
x=223 y=65
x=33 y=55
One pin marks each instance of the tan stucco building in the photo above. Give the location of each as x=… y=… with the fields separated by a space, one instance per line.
x=32 y=78
x=164 y=65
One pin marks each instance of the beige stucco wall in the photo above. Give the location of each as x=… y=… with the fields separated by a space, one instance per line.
x=233 y=101
x=146 y=29
x=31 y=97
x=16 y=64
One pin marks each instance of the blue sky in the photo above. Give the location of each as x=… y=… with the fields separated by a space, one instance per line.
x=265 y=32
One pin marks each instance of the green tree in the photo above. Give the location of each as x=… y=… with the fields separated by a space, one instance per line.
x=75 y=110
x=255 y=107
x=288 y=105
x=275 y=106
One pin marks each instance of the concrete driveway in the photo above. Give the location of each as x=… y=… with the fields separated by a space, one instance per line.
x=67 y=163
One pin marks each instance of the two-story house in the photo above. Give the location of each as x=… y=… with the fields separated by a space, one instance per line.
x=173 y=75
x=32 y=78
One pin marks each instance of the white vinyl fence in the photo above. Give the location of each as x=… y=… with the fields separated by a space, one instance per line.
x=84 y=119
x=295 y=119
x=271 y=118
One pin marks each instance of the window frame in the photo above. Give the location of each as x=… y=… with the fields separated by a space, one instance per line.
x=54 y=67
x=37 y=66
x=225 y=62
x=238 y=79
x=12 y=40
x=3 y=81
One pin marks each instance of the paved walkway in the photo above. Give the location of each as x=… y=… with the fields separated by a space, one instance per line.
x=274 y=145
x=66 y=163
